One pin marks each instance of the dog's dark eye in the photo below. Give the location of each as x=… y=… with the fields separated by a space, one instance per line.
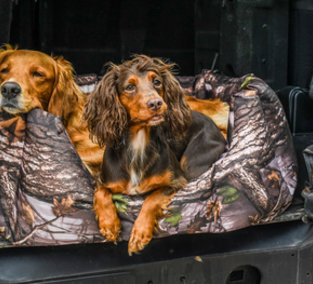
x=4 y=70
x=37 y=74
x=129 y=87
x=157 y=83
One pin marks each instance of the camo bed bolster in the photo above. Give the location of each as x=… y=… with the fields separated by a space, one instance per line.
x=46 y=192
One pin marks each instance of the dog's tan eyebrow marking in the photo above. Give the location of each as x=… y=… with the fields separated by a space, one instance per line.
x=131 y=80
x=152 y=75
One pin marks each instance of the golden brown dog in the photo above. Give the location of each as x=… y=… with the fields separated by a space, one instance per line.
x=32 y=79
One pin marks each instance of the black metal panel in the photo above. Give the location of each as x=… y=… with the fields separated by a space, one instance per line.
x=207 y=37
x=91 y=33
x=6 y=17
x=301 y=43
x=24 y=25
x=235 y=36
x=275 y=251
x=254 y=38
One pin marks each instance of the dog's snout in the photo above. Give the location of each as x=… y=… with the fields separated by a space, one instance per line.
x=155 y=104
x=10 y=90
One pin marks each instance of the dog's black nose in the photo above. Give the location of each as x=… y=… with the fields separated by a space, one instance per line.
x=10 y=90
x=155 y=104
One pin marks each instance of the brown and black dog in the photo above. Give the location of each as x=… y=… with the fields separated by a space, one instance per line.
x=154 y=142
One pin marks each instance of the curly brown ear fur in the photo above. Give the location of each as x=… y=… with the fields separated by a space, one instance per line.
x=105 y=115
x=66 y=94
x=179 y=113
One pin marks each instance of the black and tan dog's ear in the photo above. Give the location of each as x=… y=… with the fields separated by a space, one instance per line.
x=65 y=94
x=178 y=114
x=104 y=113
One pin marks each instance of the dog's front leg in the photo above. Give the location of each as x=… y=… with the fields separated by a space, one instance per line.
x=106 y=213
x=147 y=220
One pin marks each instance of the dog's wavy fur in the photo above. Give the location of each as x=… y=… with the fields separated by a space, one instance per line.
x=154 y=142
x=47 y=82
x=108 y=119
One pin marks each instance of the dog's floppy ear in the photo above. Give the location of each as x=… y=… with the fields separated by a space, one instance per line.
x=178 y=115
x=65 y=94
x=105 y=115
x=5 y=50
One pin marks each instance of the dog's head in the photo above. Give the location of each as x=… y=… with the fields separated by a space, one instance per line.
x=32 y=79
x=141 y=91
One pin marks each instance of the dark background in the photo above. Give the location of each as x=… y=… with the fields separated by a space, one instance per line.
x=271 y=38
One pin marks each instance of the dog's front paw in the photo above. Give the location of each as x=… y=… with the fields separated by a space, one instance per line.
x=109 y=227
x=140 y=236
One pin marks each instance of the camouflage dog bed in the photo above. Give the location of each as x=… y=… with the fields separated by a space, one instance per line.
x=46 y=192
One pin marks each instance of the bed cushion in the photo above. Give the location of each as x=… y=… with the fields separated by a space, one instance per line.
x=46 y=192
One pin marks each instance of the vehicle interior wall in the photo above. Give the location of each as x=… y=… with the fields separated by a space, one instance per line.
x=271 y=39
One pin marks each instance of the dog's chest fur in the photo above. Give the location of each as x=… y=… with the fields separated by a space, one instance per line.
x=142 y=156
x=138 y=159
x=142 y=164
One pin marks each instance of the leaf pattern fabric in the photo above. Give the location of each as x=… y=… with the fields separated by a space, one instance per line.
x=46 y=192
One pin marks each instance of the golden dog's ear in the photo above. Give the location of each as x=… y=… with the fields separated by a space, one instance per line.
x=5 y=50
x=178 y=115
x=105 y=115
x=66 y=93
